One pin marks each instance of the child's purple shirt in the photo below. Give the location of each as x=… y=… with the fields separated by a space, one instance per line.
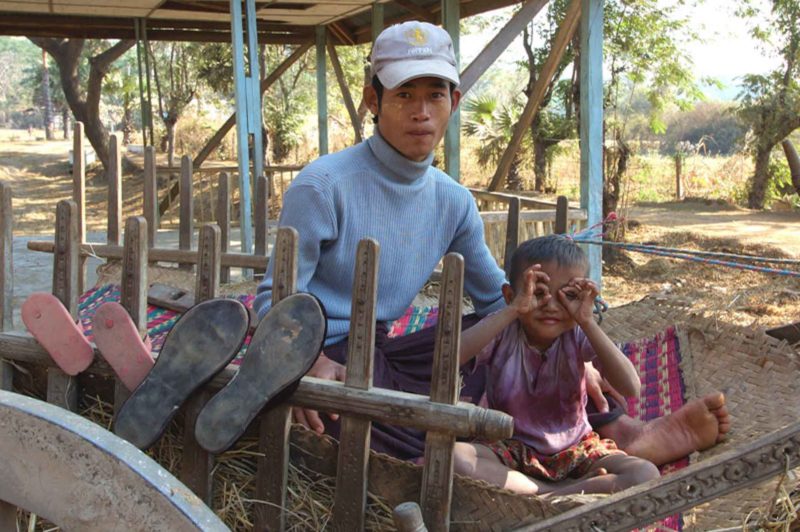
x=544 y=392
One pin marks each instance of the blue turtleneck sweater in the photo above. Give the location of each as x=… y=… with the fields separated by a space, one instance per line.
x=416 y=213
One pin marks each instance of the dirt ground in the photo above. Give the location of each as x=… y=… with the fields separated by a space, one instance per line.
x=39 y=174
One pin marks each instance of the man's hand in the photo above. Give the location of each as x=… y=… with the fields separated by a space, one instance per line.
x=596 y=385
x=323 y=368
x=577 y=297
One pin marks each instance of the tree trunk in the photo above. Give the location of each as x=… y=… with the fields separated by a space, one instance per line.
x=539 y=163
x=758 y=188
x=616 y=166
x=48 y=103
x=127 y=120
x=794 y=162
x=171 y=126
x=65 y=121
x=67 y=54
x=514 y=180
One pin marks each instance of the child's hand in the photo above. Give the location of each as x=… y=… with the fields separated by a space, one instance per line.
x=577 y=297
x=534 y=292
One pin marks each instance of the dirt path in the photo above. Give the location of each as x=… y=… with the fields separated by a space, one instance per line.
x=777 y=229
x=39 y=174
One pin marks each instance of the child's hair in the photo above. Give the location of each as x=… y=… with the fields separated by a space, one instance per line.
x=559 y=248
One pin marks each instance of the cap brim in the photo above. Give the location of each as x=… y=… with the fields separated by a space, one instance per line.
x=395 y=74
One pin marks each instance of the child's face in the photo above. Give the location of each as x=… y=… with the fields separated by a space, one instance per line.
x=547 y=322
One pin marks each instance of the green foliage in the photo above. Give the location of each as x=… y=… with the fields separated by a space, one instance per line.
x=711 y=128
x=643 y=50
x=770 y=103
x=780 y=182
x=288 y=102
x=492 y=123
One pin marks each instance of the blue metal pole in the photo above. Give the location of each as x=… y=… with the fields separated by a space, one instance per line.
x=254 y=91
x=591 y=126
x=240 y=86
x=322 y=90
x=451 y=14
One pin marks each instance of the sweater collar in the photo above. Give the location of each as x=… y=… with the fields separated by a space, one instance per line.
x=397 y=165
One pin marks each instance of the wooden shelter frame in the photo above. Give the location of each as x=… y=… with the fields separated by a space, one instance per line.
x=246 y=28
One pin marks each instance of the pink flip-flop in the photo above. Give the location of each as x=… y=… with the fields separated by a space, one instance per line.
x=118 y=340
x=51 y=324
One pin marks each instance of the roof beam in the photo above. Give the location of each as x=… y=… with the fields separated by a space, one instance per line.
x=499 y=43
x=414 y=9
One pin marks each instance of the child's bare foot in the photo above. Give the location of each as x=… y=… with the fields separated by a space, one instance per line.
x=696 y=426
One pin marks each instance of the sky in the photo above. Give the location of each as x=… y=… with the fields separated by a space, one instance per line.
x=727 y=52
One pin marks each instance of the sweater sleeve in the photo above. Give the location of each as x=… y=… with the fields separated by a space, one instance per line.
x=310 y=211
x=483 y=278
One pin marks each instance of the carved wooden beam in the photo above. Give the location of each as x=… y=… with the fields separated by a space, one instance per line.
x=739 y=468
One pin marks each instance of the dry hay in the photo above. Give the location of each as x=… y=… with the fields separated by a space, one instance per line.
x=310 y=495
x=745 y=298
x=782 y=512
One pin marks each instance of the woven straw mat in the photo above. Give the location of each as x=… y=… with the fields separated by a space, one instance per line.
x=758 y=374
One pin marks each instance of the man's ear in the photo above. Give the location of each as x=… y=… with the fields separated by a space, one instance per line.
x=371 y=99
x=508 y=293
x=456 y=99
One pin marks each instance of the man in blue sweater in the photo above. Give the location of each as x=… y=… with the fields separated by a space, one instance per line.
x=386 y=189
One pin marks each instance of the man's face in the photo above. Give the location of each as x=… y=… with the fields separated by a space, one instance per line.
x=413 y=117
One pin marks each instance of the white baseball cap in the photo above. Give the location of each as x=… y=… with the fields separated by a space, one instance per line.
x=413 y=50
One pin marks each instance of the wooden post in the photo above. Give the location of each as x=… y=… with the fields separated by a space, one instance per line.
x=196 y=463
x=322 y=90
x=591 y=126
x=351 y=471
x=224 y=221
x=114 y=230
x=208 y=265
x=186 y=219
x=62 y=390
x=345 y=90
x=8 y=516
x=275 y=424
x=377 y=19
x=451 y=17
x=79 y=194
x=512 y=233
x=6 y=280
x=133 y=289
x=437 y=476
x=408 y=518
x=150 y=195
x=260 y=216
x=562 y=213
x=678 y=176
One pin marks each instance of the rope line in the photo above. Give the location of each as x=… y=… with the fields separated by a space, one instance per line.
x=684 y=256
x=720 y=254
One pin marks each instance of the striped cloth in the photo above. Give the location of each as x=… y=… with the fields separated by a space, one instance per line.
x=159 y=320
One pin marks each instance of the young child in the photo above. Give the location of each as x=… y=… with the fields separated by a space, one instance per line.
x=535 y=350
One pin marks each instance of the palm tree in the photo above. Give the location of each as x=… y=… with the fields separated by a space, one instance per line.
x=492 y=123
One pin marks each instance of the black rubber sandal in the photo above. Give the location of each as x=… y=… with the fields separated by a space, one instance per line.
x=284 y=346
x=200 y=344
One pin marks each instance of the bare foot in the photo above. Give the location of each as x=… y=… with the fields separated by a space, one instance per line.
x=696 y=426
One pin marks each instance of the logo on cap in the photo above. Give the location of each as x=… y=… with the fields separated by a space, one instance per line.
x=416 y=37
